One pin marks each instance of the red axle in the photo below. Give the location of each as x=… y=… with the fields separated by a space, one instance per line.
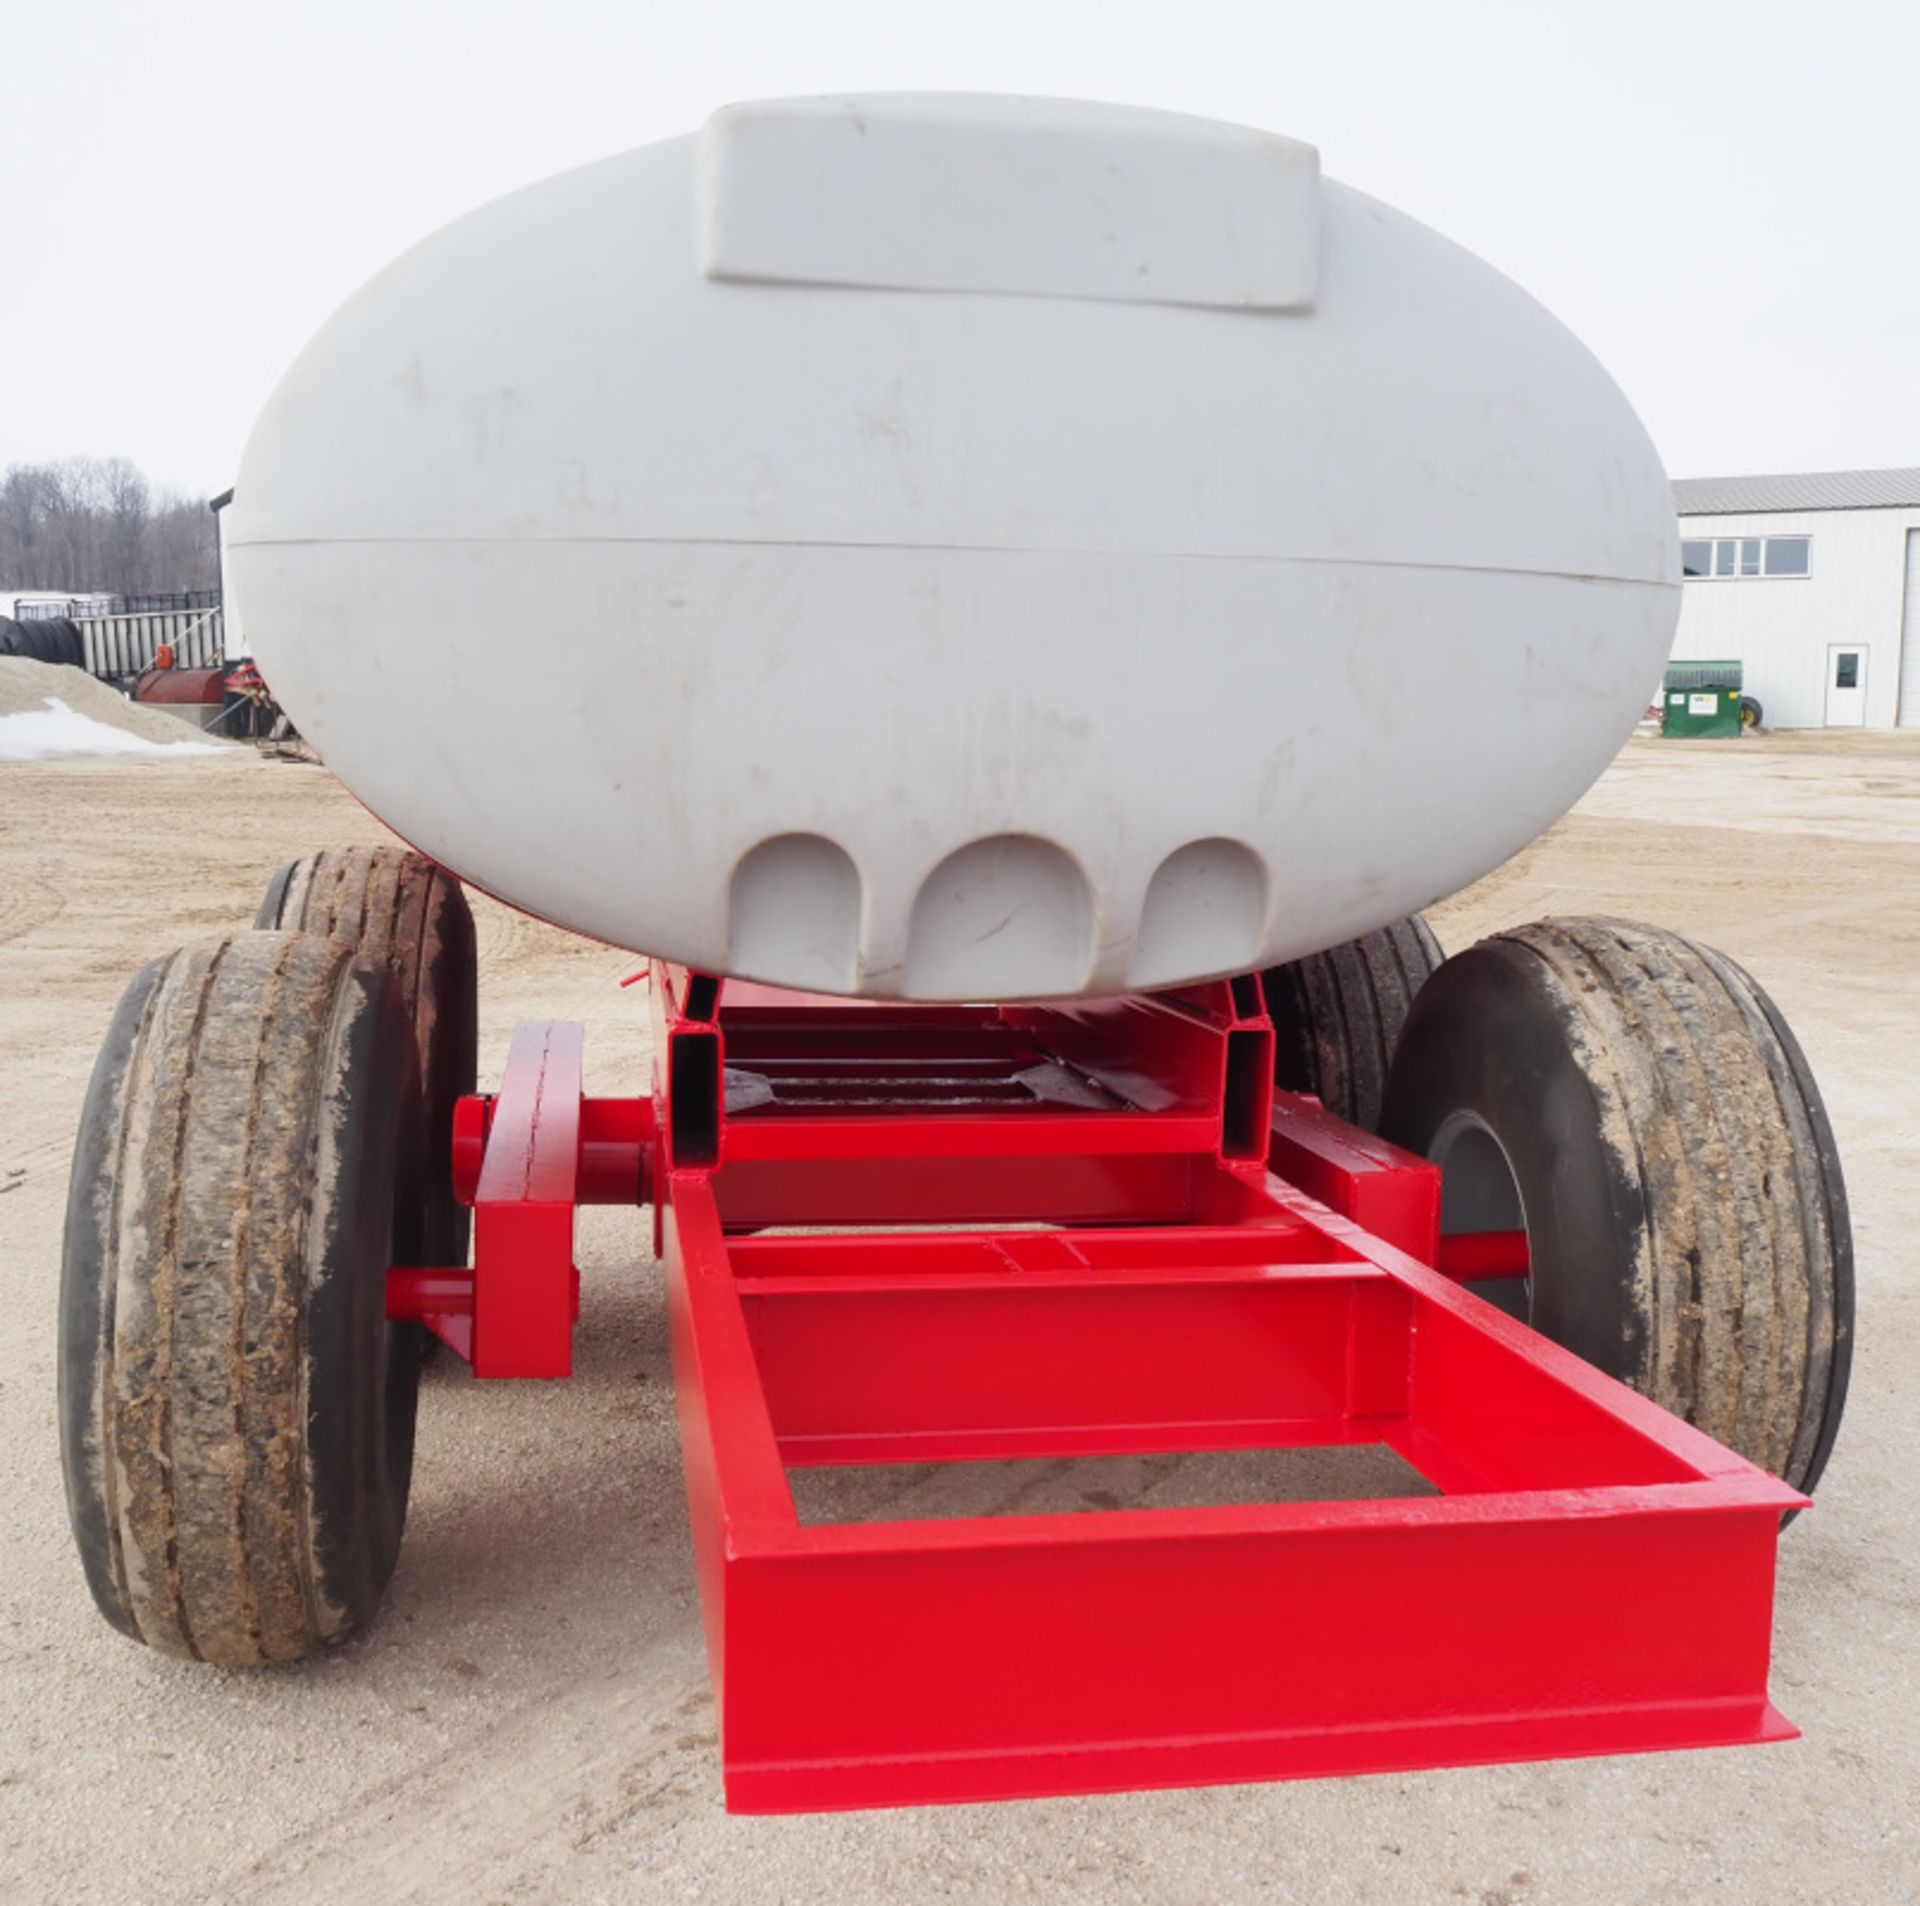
x=1472 y=1257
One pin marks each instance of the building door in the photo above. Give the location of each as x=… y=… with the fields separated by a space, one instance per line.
x=1909 y=710
x=1846 y=685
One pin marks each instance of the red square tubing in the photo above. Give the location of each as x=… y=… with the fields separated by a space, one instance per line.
x=864 y=1664
x=946 y=1235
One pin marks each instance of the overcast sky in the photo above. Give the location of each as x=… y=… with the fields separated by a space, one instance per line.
x=1722 y=199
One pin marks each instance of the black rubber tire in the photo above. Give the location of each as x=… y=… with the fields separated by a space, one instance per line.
x=1673 y=1165
x=1751 y=713
x=58 y=641
x=44 y=639
x=236 y=1413
x=73 y=647
x=1337 y=1016
x=400 y=910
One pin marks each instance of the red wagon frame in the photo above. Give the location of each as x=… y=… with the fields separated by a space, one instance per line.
x=1132 y=1243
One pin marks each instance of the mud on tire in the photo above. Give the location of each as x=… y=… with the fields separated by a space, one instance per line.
x=236 y=1415
x=403 y=912
x=1635 y=1102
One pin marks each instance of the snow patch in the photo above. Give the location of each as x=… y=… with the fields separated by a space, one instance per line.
x=44 y=734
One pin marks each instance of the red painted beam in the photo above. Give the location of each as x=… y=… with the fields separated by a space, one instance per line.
x=1472 y=1257
x=616 y=1151
x=1390 y=1193
x=616 y=1148
x=418 y=1296
x=886 y=1663
x=1173 y=1297
x=439 y=1300
x=524 y=1282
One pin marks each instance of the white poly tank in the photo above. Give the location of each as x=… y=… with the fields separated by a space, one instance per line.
x=954 y=547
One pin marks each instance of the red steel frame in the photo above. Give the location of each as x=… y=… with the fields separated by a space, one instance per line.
x=1142 y=1248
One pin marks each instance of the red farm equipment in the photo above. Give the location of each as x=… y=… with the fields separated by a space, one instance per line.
x=1142 y=1245
x=1031 y=813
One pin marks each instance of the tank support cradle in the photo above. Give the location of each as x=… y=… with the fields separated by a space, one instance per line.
x=1166 y=1255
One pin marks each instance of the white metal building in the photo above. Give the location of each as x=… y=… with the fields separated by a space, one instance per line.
x=1813 y=584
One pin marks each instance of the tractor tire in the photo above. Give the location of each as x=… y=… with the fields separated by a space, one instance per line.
x=401 y=911
x=1751 y=713
x=1337 y=1016
x=236 y=1413
x=1636 y=1104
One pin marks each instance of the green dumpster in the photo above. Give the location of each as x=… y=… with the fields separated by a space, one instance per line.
x=1701 y=701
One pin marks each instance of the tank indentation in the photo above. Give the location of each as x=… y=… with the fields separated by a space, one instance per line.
x=794 y=911
x=1205 y=907
x=1009 y=917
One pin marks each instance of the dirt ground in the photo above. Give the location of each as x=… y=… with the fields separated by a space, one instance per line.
x=530 y=1717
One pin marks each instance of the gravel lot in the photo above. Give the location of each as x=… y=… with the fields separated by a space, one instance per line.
x=530 y=1717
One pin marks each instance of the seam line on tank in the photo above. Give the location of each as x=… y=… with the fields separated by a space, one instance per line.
x=942 y=549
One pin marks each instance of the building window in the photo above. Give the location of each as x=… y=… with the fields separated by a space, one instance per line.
x=1746 y=556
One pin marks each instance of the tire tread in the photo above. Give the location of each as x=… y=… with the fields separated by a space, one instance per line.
x=1337 y=1016
x=191 y=1267
x=1742 y=1245
x=407 y=914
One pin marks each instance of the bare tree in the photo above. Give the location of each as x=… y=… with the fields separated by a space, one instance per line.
x=96 y=523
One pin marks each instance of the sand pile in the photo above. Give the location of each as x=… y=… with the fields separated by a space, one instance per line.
x=48 y=710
